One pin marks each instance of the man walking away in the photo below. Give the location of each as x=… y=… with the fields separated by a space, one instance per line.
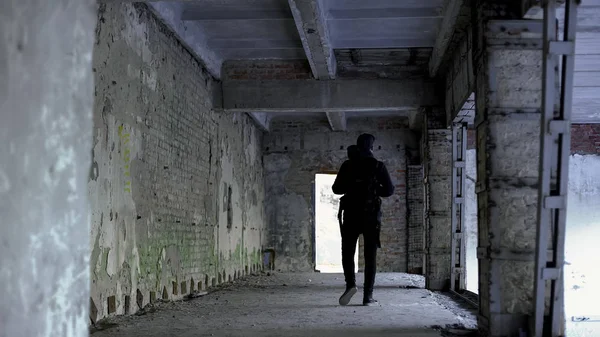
x=353 y=154
x=363 y=182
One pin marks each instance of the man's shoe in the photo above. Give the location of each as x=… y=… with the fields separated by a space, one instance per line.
x=347 y=295
x=368 y=300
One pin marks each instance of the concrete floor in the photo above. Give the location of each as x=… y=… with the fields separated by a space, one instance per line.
x=300 y=305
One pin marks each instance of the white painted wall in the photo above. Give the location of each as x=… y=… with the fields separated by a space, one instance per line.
x=582 y=273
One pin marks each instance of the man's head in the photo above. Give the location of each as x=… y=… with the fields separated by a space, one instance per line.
x=353 y=152
x=365 y=142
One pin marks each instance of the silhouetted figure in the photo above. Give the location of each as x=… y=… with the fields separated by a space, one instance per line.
x=353 y=154
x=363 y=182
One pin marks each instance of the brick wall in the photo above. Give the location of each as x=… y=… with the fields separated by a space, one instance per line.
x=296 y=150
x=266 y=70
x=382 y=63
x=415 y=218
x=435 y=117
x=471 y=139
x=585 y=139
x=176 y=190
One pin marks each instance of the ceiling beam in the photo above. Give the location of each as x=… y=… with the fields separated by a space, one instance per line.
x=337 y=120
x=203 y=14
x=380 y=13
x=245 y=54
x=262 y=120
x=444 y=36
x=312 y=27
x=254 y=44
x=381 y=43
x=281 y=96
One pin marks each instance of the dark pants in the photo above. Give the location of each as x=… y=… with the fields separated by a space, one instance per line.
x=350 y=234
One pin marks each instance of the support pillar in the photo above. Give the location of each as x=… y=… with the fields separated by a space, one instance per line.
x=437 y=167
x=508 y=72
x=46 y=99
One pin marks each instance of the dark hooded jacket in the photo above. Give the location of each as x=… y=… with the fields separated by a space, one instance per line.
x=364 y=163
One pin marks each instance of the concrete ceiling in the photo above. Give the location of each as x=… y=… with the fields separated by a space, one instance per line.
x=268 y=29
x=345 y=38
x=258 y=29
x=353 y=39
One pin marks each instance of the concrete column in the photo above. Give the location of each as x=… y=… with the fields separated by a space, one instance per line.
x=437 y=167
x=508 y=71
x=46 y=96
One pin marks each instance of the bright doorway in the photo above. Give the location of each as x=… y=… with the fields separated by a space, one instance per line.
x=328 y=240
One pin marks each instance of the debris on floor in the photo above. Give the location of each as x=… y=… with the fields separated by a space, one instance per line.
x=456 y=330
x=101 y=325
x=195 y=294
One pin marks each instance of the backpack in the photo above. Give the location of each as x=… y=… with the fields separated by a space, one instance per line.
x=364 y=192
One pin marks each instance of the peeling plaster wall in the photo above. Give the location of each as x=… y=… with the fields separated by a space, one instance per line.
x=296 y=150
x=46 y=88
x=176 y=189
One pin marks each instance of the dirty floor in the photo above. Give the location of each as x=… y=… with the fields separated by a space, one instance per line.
x=294 y=305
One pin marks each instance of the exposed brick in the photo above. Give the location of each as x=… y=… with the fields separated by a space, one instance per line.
x=585 y=139
x=127 y=304
x=93 y=311
x=139 y=299
x=162 y=161
x=435 y=117
x=414 y=217
x=471 y=139
x=111 y=303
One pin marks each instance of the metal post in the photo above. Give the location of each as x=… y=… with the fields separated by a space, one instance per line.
x=425 y=160
x=462 y=205
x=458 y=257
x=552 y=201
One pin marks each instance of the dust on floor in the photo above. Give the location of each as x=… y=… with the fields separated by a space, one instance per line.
x=304 y=305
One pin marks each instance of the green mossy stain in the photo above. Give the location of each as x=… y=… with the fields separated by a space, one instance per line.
x=208 y=260
x=104 y=264
x=95 y=256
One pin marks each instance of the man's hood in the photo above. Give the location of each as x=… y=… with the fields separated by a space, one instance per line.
x=365 y=144
x=365 y=141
